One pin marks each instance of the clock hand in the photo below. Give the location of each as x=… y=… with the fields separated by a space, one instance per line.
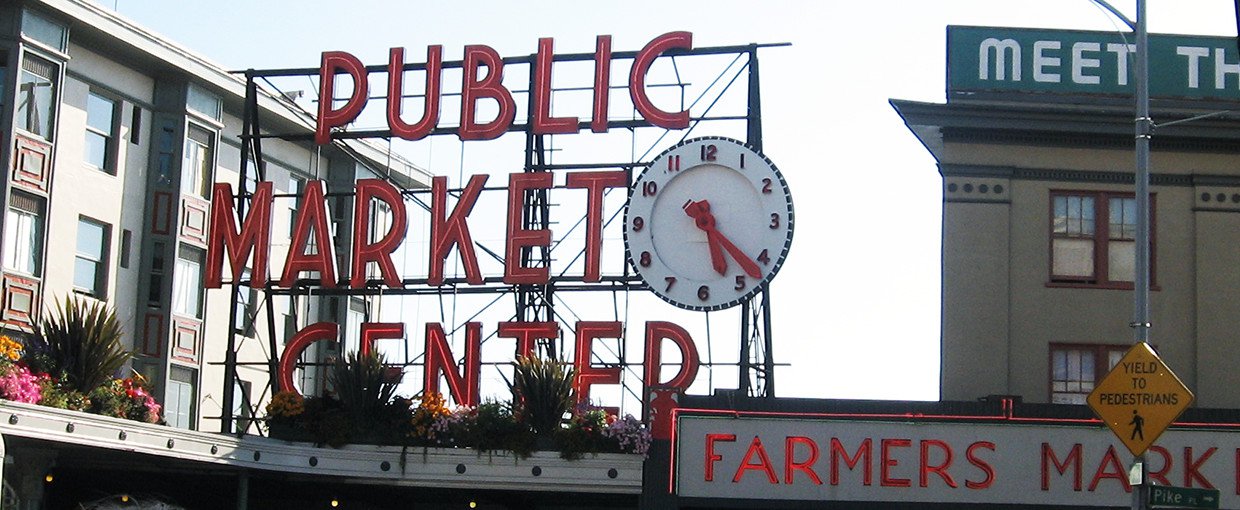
x=750 y=267
x=704 y=220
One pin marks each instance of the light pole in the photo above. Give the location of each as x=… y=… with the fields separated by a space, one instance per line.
x=1144 y=127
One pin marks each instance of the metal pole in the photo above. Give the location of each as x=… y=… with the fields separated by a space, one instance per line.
x=1141 y=284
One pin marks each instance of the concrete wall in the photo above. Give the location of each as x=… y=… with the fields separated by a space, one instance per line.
x=1000 y=312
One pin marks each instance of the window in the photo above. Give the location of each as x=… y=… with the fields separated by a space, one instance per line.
x=244 y=311
x=1076 y=368
x=199 y=161
x=296 y=186
x=354 y=318
x=379 y=224
x=179 y=404
x=42 y=29
x=1093 y=238
x=36 y=96
x=100 y=132
x=23 y=234
x=200 y=101
x=90 y=267
x=187 y=283
x=155 y=289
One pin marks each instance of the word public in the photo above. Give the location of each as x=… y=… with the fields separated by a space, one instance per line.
x=476 y=85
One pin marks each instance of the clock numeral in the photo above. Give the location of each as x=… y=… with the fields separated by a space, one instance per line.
x=740 y=282
x=645 y=259
x=774 y=221
x=742 y=160
x=766 y=185
x=671 y=280
x=673 y=163
x=708 y=152
x=649 y=188
x=764 y=258
x=638 y=223
x=703 y=293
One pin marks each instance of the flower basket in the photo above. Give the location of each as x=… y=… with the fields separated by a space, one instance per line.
x=288 y=432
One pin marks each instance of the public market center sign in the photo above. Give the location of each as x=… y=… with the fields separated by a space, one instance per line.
x=990 y=59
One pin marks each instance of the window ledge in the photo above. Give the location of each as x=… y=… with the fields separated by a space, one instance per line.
x=1088 y=285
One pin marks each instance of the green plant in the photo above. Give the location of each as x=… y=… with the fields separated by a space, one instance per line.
x=584 y=434
x=495 y=428
x=543 y=393
x=82 y=341
x=359 y=384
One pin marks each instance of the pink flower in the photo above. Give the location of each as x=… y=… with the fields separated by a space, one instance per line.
x=19 y=385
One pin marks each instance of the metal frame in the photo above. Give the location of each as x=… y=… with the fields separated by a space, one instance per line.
x=532 y=302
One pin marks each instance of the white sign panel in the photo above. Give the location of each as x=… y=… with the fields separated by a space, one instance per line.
x=1013 y=463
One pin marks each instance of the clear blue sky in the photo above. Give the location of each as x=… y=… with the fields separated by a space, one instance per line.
x=857 y=305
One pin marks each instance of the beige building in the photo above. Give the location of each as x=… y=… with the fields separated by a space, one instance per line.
x=1035 y=146
x=113 y=138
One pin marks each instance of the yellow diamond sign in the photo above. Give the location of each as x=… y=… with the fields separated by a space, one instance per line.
x=1139 y=398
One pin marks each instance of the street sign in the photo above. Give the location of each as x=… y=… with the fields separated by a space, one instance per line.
x=1139 y=398
x=1162 y=496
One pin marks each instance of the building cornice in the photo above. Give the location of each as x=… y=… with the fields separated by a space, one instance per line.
x=103 y=24
x=1058 y=124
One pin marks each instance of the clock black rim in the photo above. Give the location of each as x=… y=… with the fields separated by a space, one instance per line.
x=762 y=285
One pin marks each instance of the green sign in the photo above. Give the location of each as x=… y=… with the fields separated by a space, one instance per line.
x=987 y=59
x=1162 y=496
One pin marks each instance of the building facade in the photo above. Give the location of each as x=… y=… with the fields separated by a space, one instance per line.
x=113 y=139
x=1035 y=146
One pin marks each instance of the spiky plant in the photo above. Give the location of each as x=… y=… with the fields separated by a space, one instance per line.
x=543 y=393
x=359 y=384
x=81 y=340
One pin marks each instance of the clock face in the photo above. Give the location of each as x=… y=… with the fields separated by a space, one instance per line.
x=708 y=223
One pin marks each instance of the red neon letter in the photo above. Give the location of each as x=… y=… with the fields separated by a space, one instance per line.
x=542 y=122
x=255 y=232
x=637 y=80
x=381 y=251
x=711 y=456
x=519 y=237
x=940 y=469
x=595 y=183
x=656 y=332
x=312 y=219
x=492 y=86
x=864 y=451
x=1192 y=467
x=885 y=478
x=372 y=331
x=1073 y=459
x=453 y=230
x=791 y=465
x=986 y=468
x=430 y=109
x=1110 y=468
x=333 y=63
x=463 y=387
x=296 y=345
x=764 y=463
x=527 y=333
x=602 y=83
x=587 y=374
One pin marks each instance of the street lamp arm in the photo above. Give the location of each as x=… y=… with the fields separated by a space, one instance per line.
x=1111 y=8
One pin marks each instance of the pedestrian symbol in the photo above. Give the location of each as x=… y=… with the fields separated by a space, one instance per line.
x=1137 y=424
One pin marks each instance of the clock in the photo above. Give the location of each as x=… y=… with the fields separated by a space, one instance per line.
x=708 y=223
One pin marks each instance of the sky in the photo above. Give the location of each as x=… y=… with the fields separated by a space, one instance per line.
x=856 y=307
